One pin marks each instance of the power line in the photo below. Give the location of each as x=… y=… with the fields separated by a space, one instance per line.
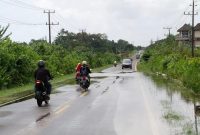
x=12 y=21
x=63 y=20
x=24 y=5
x=62 y=23
x=54 y=31
x=49 y=22
x=27 y=5
x=179 y=19
x=169 y=29
x=16 y=5
x=192 y=14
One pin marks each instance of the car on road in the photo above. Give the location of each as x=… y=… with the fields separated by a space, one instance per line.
x=126 y=63
x=137 y=56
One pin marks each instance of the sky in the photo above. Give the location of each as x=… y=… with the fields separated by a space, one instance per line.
x=137 y=21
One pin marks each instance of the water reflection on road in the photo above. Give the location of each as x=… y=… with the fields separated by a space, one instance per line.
x=120 y=102
x=180 y=106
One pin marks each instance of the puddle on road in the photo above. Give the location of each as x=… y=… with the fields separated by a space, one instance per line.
x=180 y=107
x=98 y=77
x=5 y=113
x=43 y=117
x=119 y=74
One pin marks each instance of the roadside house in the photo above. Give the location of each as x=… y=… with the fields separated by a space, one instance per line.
x=185 y=32
x=197 y=35
x=184 y=35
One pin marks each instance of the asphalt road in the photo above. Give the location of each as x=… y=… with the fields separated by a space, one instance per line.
x=119 y=102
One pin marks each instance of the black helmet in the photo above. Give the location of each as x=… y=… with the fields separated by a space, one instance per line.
x=41 y=64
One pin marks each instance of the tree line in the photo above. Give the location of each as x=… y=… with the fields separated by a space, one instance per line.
x=19 y=60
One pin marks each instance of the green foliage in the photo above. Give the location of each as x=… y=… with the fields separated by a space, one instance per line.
x=18 y=61
x=2 y=33
x=96 y=43
x=166 y=56
x=146 y=56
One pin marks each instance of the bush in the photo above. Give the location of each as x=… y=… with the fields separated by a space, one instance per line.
x=166 y=56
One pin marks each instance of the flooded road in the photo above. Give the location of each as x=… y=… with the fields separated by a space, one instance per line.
x=179 y=106
x=119 y=102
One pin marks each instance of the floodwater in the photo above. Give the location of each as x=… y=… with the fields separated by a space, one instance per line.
x=175 y=109
x=119 y=102
x=179 y=106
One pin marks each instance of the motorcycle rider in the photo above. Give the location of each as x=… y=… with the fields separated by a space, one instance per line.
x=115 y=63
x=85 y=70
x=43 y=75
x=78 y=68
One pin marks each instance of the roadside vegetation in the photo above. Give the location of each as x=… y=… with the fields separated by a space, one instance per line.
x=173 y=59
x=179 y=124
x=18 y=61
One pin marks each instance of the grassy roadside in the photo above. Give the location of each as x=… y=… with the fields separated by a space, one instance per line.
x=15 y=93
x=7 y=95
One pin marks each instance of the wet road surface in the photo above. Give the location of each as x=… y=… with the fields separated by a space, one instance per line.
x=119 y=102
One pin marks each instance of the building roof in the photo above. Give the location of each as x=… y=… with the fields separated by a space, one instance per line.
x=197 y=27
x=185 y=27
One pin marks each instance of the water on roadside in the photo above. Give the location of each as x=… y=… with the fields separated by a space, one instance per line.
x=179 y=106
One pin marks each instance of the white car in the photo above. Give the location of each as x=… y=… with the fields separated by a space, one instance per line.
x=126 y=63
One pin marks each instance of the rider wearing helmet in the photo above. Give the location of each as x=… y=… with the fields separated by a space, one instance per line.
x=85 y=70
x=115 y=63
x=44 y=75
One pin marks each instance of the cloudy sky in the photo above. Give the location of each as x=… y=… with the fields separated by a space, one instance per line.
x=137 y=21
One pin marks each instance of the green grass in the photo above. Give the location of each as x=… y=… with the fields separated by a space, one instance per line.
x=188 y=129
x=7 y=95
x=11 y=94
x=171 y=115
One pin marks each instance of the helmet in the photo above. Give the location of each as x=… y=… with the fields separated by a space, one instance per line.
x=41 y=64
x=84 y=62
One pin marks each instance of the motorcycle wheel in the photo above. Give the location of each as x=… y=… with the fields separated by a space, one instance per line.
x=86 y=89
x=39 y=102
x=46 y=102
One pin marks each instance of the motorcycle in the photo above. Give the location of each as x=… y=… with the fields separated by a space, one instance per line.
x=41 y=93
x=84 y=83
x=78 y=77
x=115 y=63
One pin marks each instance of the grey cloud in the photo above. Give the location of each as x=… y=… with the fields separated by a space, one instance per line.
x=133 y=20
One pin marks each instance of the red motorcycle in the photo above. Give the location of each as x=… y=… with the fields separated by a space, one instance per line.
x=78 y=77
x=85 y=82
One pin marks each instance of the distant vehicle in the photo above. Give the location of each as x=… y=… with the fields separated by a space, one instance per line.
x=137 y=56
x=126 y=63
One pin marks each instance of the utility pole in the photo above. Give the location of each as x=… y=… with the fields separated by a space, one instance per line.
x=169 y=29
x=49 y=23
x=192 y=14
